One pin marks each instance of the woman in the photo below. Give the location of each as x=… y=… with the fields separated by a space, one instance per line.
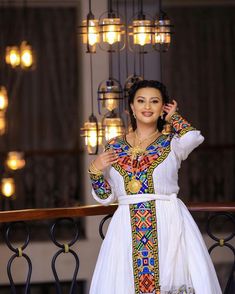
x=152 y=244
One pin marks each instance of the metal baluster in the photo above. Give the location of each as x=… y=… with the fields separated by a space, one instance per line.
x=102 y=224
x=18 y=253
x=224 y=242
x=65 y=248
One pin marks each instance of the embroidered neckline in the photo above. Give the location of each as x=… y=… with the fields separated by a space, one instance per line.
x=151 y=144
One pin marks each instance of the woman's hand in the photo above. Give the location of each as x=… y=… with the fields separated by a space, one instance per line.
x=105 y=159
x=170 y=108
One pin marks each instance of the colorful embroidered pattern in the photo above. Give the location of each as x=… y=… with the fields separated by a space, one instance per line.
x=143 y=215
x=145 y=247
x=180 y=125
x=155 y=154
x=100 y=186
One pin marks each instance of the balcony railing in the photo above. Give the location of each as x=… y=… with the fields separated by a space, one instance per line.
x=21 y=217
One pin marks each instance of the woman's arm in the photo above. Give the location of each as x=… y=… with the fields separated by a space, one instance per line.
x=101 y=184
x=186 y=137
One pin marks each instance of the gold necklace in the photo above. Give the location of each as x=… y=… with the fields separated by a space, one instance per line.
x=147 y=138
x=136 y=151
x=134 y=185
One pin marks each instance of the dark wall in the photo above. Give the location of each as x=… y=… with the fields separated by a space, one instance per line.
x=43 y=119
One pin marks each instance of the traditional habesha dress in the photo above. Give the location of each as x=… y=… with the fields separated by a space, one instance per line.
x=152 y=245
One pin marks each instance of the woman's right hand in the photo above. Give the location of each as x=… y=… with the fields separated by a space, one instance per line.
x=105 y=159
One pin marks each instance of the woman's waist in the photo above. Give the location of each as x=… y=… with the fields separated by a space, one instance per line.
x=137 y=198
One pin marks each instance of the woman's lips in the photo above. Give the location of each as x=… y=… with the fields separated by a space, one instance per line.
x=147 y=113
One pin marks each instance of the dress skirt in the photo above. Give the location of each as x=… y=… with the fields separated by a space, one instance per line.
x=183 y=260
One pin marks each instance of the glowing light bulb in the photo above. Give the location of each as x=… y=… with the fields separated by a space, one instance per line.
x=113 y=127
x=90 y=134
x=3 y=99
x=26 y=55
x=111 y=28
x=15 y=160
x=90 y=31
x=8 y=187
x=2 y=123
x=13 y=56
x=142 y=32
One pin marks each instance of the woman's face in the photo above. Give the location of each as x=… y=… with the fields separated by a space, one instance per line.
x=147 y=105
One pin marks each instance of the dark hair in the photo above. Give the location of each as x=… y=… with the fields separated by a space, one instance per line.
x=147 y=84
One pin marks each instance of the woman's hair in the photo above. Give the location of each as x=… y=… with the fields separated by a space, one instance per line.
x=147 y=84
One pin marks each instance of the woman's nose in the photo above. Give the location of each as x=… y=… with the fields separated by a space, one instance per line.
x=147 y=105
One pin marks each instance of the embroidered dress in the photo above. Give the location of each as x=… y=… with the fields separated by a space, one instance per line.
x=153 y=245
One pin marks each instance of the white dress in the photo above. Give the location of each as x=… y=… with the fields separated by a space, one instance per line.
x=152 y=245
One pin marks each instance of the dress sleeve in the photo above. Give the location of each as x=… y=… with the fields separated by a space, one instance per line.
x=102 y=190
x=185 y=137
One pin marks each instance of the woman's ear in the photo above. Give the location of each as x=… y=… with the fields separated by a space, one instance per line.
x=132 y=107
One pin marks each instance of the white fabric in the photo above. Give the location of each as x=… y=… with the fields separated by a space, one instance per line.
x=183 y=256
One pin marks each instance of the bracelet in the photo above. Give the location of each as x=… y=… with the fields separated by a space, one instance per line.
x=94 y=170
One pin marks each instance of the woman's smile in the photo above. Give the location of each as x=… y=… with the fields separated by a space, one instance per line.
x=147 y=113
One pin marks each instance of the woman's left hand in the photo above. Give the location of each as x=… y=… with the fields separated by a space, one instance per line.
x=170 y=108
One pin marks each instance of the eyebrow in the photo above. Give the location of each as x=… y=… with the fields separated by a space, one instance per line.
x=150 y=98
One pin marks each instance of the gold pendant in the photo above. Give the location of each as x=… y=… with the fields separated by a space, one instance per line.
x=134 y=152
x=134 y=185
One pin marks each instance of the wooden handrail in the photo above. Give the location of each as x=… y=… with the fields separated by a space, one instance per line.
x=92 y=210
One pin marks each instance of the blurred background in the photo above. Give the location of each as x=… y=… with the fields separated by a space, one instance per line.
x=48 y=96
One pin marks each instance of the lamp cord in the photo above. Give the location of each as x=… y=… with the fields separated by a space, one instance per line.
x=160 y=6
x=118 y=52
x=110 y=63
x=91 y=77
x=110 y=6
x=126 y=40
x=89 y=6
x=160 y=51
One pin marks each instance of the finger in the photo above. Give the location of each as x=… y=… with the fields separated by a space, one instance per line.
x=113 y=161
x=110 y=156
x=109 y=153
x=167 y=109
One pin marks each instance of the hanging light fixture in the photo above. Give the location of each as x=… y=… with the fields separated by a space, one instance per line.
x=162 y=31
x=93 y=134
x=90 y=31
x=142 y=32
x=26 y=55
x=111 y=30
x=3 y=98
x=141 y=29
x=109 y=94
x=92 y=130
x=15 y=160
x=8 y=186
x=13 y=56
x=129 y=82
x=113 y=126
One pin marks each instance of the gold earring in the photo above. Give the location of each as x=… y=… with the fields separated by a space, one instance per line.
x=134 y=115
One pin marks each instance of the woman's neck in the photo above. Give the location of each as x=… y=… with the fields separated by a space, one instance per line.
x=143 y=131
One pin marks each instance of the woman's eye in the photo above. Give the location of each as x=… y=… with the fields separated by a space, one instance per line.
x=155 y=101
x=140 y=101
